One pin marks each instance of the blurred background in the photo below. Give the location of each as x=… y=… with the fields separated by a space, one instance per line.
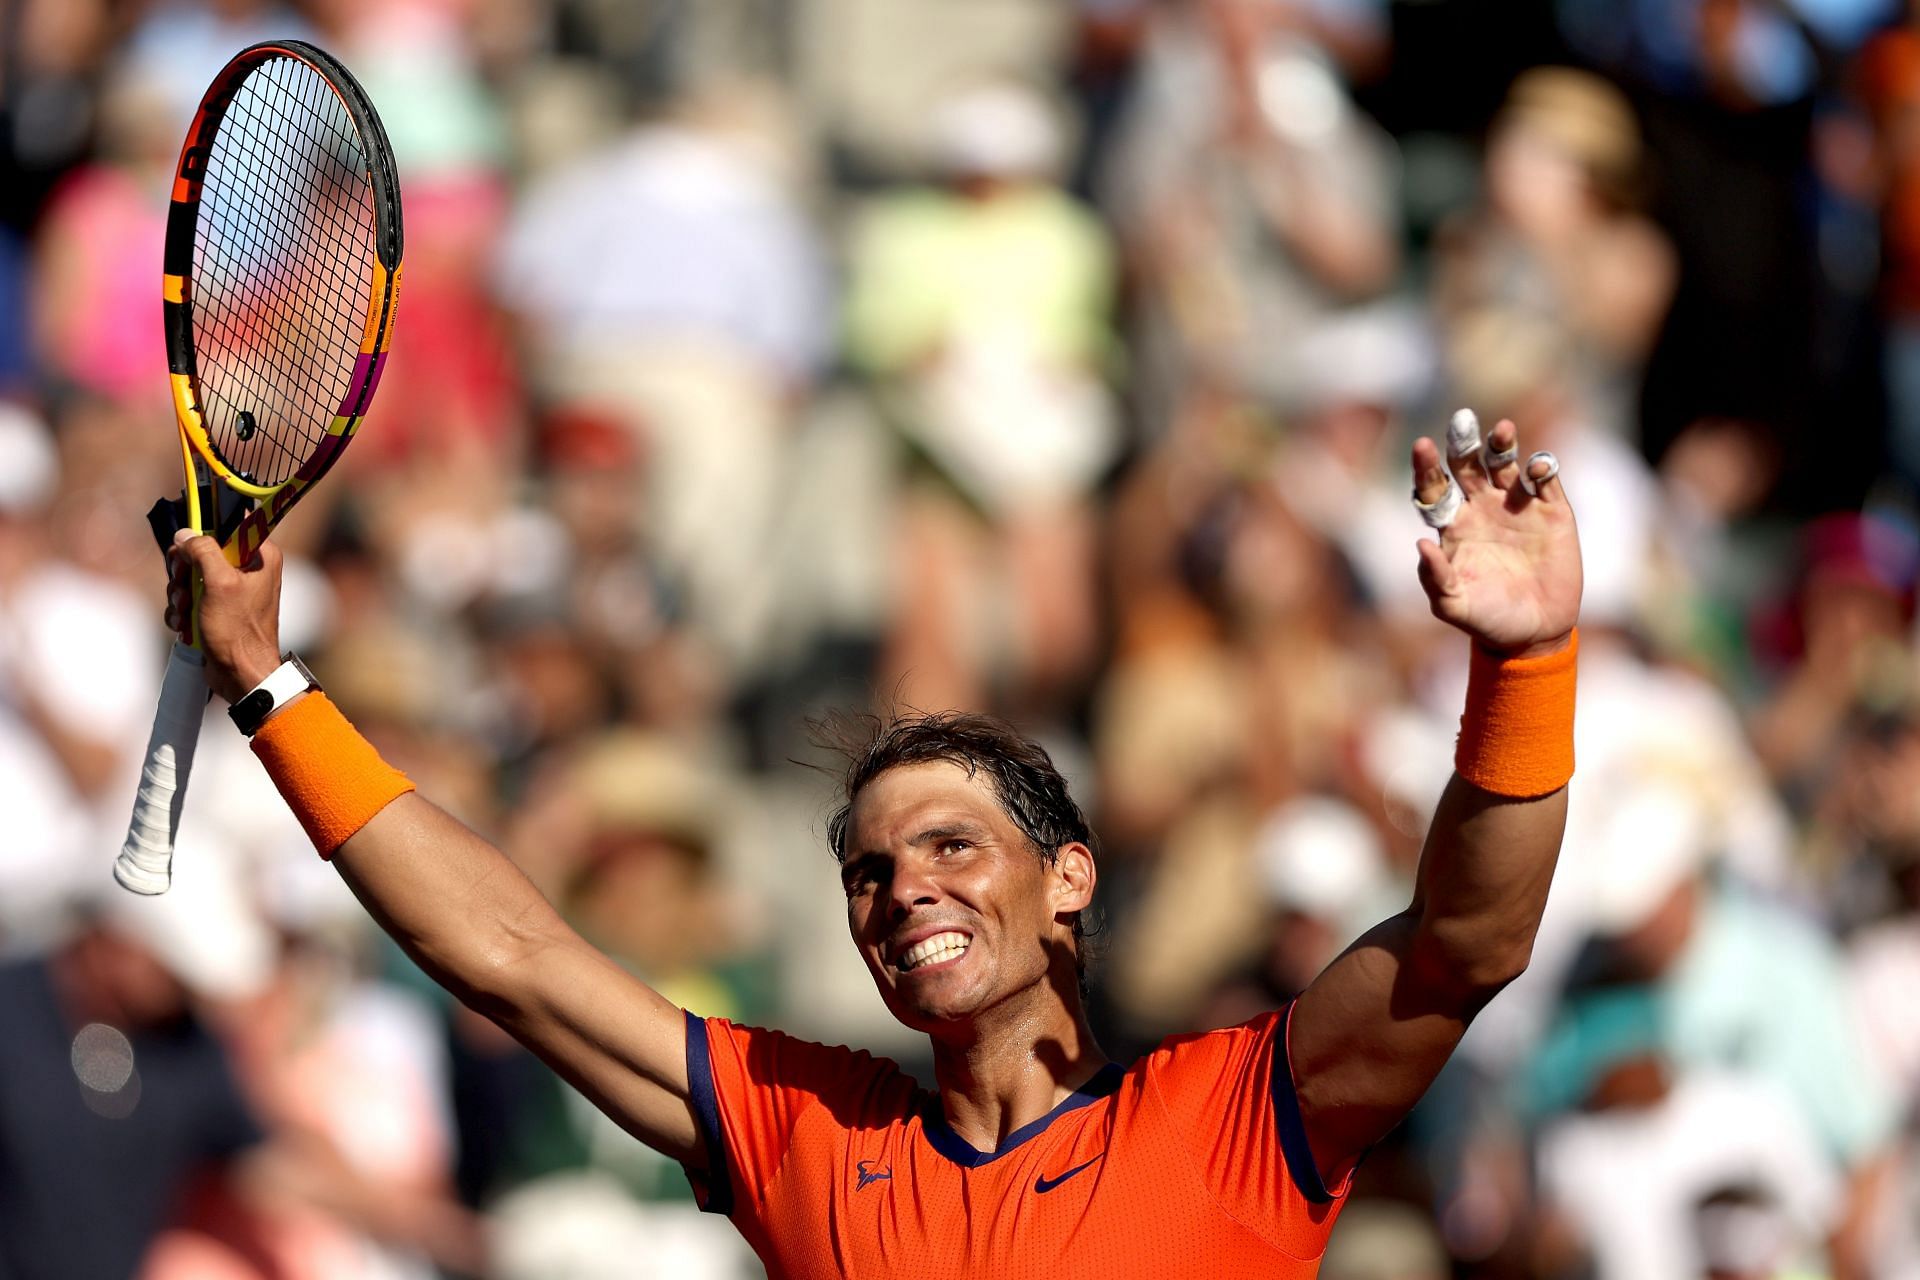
x=762 y=357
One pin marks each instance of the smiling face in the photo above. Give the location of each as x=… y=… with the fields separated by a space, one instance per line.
x=954 y=911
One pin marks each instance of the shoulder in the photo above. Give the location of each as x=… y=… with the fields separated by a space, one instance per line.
x=1233 y=1076
x=775 y=1060
x=1194 y=1046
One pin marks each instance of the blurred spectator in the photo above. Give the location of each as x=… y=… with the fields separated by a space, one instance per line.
x=1716 y=478
x=1744 y=53
x=1326 y=882
x=100 y=236
x=449 y=397
x=981 y=309
x=178 y=46
x=16 y=333
x=113 y=1100
x=1641 y=1147
x=1385 y=1241
x=1359 y=373
x=872 y=72
x=628 y=841
x=1253 y=199
x=1890 y=84
x=686 y=230
x=1559 y=239
x=69 y=744
x=675 y=278
x=1743 y=985
x=1845 y=632
x=1220 y=710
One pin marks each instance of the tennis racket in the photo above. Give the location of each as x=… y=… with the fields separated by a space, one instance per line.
x=281 y=272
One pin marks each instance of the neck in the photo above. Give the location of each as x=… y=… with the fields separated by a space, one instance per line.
x=1013 y=1069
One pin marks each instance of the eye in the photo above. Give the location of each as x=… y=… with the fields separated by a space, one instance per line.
x=956 y=845
x=860 y=877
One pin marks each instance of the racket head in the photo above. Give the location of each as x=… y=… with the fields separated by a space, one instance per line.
x=281 y=274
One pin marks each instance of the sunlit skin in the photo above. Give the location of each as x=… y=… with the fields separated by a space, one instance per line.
x=930 y=849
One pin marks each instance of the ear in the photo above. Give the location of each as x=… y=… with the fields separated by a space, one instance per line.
x=1074 y=877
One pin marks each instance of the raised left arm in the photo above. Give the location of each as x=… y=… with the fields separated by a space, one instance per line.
x=1373 y=1030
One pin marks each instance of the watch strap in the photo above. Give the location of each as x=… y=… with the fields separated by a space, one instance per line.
x=283 y=684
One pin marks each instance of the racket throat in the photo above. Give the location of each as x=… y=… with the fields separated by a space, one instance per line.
x=227 y=508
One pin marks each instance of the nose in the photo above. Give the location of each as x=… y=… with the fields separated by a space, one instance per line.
x=913 y=886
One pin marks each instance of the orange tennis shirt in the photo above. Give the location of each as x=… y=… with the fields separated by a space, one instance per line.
x=833 y=1162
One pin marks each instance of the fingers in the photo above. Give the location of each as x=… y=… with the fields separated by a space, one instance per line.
x=1464 y=449
x=1438 y=579
x=201 y=553
x=179 y=603
x=1429 y=477
x=1543 y=477
x=1441 y=511
x=1501 y=457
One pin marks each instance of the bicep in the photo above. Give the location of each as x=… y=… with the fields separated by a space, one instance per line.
x=618 y=1041
x=477 y=925
x=1368 y=1037
x=1372 y=1031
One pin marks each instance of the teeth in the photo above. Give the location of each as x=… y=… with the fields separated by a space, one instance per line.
x=941 y=946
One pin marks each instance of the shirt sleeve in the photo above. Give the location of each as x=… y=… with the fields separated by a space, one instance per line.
x=752 y=1089
x=1230 y=1095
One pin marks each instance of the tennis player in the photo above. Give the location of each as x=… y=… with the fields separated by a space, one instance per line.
x=967 y=867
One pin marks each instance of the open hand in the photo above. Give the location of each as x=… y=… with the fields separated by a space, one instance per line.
x=1506 y=569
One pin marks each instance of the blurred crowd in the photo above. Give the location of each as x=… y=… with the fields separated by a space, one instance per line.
x=763 y=357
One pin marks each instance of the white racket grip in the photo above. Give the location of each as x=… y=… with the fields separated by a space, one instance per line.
x=145 y=864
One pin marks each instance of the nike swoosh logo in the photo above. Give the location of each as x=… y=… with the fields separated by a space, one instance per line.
x=1046 y=1184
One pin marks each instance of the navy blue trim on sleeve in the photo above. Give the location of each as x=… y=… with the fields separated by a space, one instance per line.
x=1293 y=1129
x=715 y=1181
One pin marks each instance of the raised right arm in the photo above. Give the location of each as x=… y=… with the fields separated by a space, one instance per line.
x=464 y=911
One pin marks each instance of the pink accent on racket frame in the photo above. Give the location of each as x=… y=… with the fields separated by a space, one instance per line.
x=366 y=377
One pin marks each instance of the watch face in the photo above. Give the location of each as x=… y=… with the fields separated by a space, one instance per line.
x=251 y=708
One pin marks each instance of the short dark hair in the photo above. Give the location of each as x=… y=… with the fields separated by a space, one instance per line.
x=1030 y=789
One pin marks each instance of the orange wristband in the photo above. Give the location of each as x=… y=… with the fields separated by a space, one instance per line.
x=330 y=776
x=1516 y=737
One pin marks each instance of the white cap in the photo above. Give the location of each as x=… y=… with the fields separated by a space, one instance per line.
x=1653 y=840
x=1317 y=855
x=205 y=928
x=1005 y=129
x=29 y=465
x=1378 y=355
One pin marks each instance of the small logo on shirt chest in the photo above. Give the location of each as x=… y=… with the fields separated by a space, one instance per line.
x=871 y=1171
x=1044 y=1184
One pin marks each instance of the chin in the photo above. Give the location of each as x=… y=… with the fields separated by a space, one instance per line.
x=932 y=1011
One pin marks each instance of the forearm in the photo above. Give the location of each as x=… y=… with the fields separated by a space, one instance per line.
x=1482 y=886
x=458 y=905
x=1495 y=837
x=1370 y=1033
x=465 y=913
x=454 y=902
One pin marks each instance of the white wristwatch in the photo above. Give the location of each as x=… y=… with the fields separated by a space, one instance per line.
x=283 y=684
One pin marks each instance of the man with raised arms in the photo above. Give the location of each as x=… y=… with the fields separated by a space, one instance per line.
x=967 y=867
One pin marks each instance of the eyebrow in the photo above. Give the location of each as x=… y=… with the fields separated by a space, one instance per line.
x=853 y=867
x=930 y=835
x=947 y=831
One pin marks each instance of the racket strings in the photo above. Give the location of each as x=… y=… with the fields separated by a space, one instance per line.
x=300 y=294
x=283 y=262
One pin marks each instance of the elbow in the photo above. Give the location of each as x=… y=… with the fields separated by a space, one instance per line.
x=1470 y=964
x=496 y=974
